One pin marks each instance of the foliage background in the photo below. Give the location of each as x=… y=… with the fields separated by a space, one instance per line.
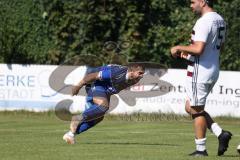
x=53 y=31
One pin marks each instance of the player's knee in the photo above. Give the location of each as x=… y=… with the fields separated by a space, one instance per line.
x=101 y=101
x=197 y=109
x=94 y=112
x=198 y=114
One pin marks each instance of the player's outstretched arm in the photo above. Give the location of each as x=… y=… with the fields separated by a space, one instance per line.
x=89 y=78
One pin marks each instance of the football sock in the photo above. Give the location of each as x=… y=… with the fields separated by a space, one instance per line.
x=208 y=119
x=200 y=144
x=85 y=126
x=70 y=133
x=216 y=129
x=91 y=117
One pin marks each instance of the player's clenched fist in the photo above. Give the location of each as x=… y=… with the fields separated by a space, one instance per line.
x=75 y=90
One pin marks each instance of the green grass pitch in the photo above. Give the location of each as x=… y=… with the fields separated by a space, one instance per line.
x=38 y=136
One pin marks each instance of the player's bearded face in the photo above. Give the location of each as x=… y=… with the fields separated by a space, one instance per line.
x=195 y=6
x=136 y=75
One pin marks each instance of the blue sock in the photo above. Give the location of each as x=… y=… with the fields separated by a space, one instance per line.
x=91 y=117
x=87 y=125
x=84 y=126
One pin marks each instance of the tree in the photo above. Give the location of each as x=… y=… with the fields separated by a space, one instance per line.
x=54 y=31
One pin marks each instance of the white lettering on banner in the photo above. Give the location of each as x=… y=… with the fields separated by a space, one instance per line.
x=17 y=80
x=11 y=94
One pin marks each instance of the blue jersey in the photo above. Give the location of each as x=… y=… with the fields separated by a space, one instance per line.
x=112 y=78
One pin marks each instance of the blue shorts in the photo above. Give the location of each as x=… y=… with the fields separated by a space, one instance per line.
x=95 y=91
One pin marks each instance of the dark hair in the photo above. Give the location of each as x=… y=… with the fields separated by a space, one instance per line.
x=209 y=3
x=134 y=66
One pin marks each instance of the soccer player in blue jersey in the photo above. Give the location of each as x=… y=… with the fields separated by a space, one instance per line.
x=100 y=84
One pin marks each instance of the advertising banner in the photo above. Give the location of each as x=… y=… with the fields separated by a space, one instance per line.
x=44 y=87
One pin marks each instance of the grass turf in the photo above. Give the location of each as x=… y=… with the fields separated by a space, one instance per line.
x=28 y=136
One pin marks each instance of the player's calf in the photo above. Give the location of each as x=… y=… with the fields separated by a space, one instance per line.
x=76 y=119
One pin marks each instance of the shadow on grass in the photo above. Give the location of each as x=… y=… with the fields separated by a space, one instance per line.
x=131 y=143
x=236 y=156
